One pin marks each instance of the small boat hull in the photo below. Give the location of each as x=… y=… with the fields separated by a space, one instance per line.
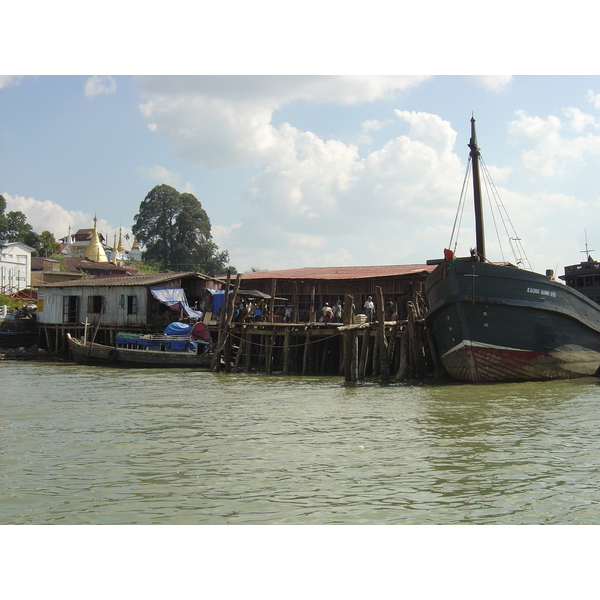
x=499 y=323
x=88 y=353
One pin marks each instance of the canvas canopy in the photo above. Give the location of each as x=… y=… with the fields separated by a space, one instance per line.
x=172 y=297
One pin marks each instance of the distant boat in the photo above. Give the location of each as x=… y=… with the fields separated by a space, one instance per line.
x=185 y=346
x=497 y=322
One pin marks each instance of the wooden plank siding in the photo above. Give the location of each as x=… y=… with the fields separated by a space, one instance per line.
x=330 y=285
x=122 y=301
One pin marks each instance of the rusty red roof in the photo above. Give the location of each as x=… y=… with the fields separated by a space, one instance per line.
x=341 y=272
x=131 y=280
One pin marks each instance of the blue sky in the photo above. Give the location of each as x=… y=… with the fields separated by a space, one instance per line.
x=309 y=170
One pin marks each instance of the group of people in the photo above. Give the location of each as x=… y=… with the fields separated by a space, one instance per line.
x=334 y=314
x=245 y=310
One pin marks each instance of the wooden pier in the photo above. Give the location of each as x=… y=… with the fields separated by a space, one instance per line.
x=381 y=350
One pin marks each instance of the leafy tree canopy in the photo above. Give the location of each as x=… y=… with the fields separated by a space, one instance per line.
x=13 y=225
x=176 y=232
x=48 y=245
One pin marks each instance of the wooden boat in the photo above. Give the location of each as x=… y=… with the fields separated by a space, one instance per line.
x=151 y=350
x=498 y=322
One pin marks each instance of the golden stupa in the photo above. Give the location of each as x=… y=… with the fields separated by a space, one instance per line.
x=95 y=251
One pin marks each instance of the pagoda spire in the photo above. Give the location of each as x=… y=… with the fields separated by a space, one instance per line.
x=95 y=251
x=120 y=247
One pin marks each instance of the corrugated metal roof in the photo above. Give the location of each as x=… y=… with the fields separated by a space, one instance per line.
x=341 y=272
x=79 y=264
x=140 y=279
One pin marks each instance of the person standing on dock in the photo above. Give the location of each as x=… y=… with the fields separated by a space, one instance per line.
x=369 y=309
x=337 y=312
x=327 y=312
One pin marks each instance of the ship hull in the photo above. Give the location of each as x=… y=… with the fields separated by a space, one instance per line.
x=496 y=323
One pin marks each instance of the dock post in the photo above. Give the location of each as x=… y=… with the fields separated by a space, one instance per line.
x=364 y=353
x=240 y=352
x=286 y=351
x=404 y=352
x=384 y=363
x=305 y=358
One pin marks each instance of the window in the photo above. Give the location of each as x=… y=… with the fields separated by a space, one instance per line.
x=132 y=305
x=69 y=312
x=95 y=304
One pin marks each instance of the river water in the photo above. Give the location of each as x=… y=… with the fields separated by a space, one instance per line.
x=94 y=445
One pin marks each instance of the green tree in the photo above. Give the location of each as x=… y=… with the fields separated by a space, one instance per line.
x=14 y=226
x=3 y=223
x=176 y=232
x=48 y=244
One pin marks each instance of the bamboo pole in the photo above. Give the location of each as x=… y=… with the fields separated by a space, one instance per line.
x=272 y=301
x=382 y=345
x=225 y=320
x=364 y=353
x=286 y=351
x=248 y=352
x=305 y=358
x=269 y=353
x=241 y=349
x=404 y=352
x=354 y=350
x=295 y=307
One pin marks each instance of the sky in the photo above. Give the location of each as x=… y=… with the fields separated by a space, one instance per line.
x=302 y=168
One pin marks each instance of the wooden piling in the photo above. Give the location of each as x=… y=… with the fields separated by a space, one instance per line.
x=286 y=351
x=404 y=357
x=384 y=363
x=364 y=353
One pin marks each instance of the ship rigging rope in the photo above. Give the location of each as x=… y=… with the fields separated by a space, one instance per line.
x=495 y=207
x=460 y=209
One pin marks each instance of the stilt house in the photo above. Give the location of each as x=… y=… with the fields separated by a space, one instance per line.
x=309 y=288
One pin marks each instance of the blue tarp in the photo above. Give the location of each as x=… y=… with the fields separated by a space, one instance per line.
x=177 y=328
x=218 y=299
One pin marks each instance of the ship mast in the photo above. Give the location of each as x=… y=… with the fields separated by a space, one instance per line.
x=475 y=154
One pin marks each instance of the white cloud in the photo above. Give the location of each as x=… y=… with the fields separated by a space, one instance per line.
x=495 y=83
x=100 y=84
x=278 y=90
x=578 y=120
x=9 y=80
x=593 y=98
x=162 y=175
x=45 y=215
x=551 y=150
x=225 y=122
x=320 y=193
x=307 y=240
x=222 y=235
x=159 y=174
x=316 y=201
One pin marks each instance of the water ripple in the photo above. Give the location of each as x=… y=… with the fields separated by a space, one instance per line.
x=91 y=445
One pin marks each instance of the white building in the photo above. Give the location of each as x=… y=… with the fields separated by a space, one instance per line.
x=15 y=267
